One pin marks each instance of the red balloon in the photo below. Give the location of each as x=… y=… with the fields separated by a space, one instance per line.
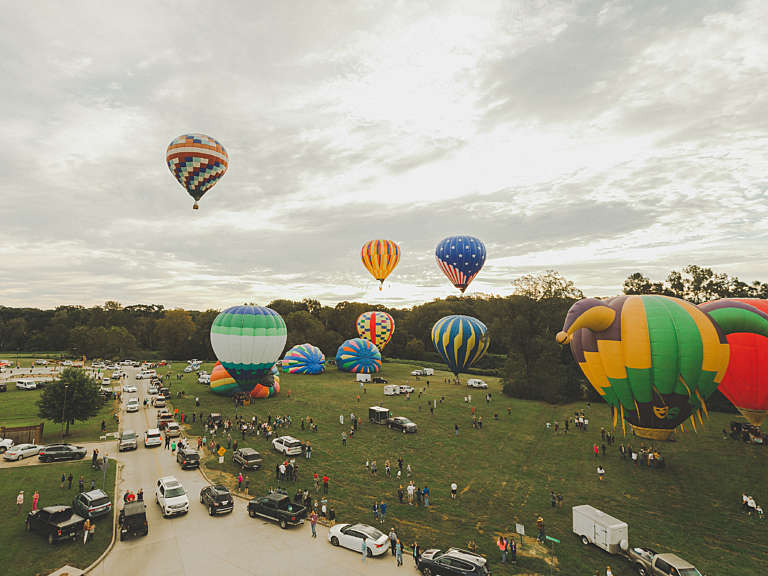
x=745 y=382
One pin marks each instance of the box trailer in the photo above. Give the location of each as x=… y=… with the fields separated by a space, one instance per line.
x=598 y=528
x=378 y=414
x=391 y=390
x=363 y=377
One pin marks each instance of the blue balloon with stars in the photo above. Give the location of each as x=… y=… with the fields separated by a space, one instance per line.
x=460 y=258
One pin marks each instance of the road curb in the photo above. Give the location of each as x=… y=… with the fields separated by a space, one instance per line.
x=238 y=495
x=100 y=559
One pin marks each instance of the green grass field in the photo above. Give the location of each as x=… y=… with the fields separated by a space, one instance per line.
x=506 y=470
x=25 y=554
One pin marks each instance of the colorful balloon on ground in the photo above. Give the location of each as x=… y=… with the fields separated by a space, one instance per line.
x=655 y=359
x=460 y=340
x=745 y=382
x=380 y=257
x=304 y=359
x=377 y=327
x=268 y=386
x=197 y=162
x=248 y=340
x=358 y=355
x=460 y=258
x=221 y=382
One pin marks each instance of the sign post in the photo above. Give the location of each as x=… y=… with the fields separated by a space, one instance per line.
x=520 y=529
x=221 y=453
x=552 y=563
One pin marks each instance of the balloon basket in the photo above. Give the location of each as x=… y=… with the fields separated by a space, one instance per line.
x=662 y=435
x=195 y=206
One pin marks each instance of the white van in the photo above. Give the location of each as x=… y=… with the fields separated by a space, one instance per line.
x=391 y=390
x=598 y=528
x=363 y=377
x=476 y=383
x=26 y=384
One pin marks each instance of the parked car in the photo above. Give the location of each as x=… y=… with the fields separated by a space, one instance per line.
x=218 y=499
x=405 y=389
x=3 y=387
x=128 y=441
x=278 y=508
x=55 y=452
x=391 y=390
x=26 y=384
x=287 y=445
x=163 y=418
x=402 y=423
x=130 y=388
x=158 y=401
x=171 y=497
x=247 y=458
x=21 y=451
x=152 y=390
x=55 y=522
x=172 y=429
x=452 y=562
x=379 y=380
x=351 y=536
x=5 y=444
x=132 y=405
x=188 y=458
x=92 y=504
x=476 y=383
x=204 y=379
x=152 y=437
x=133 y=520
x=648 y=563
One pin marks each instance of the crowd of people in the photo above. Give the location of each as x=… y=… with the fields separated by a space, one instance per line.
x=751 y=507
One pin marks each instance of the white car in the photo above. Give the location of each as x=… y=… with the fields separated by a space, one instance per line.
x=405 y=389
x=132 y=405
x=21 y=451
x=152 y=390
x=130 y=388
x=67 y=363
x=158 y=401
x=152 y=437
x=417 y=373
x=117 y=375
x=189 y=369
x=5 y=444
x=172 y=429
x=287 y=445
x=171 y=496
x=204 y=379
x=476 y=383
x=351 y=536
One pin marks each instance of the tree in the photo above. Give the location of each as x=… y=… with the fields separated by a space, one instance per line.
x=174 y=333
x=75 y=396
x=545 y=285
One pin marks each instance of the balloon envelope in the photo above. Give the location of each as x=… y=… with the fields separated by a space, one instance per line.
x=197 y=162
x=460 y=258
x=268 y=386
x=304 y=359
x=358 y=355
x=248 y=340
x=460 y=340
x=377 y=327
x=380 y=257
x=221 y=382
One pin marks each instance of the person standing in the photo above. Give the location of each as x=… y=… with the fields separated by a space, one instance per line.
x=364 y=548
x=502 y=544
x=35 y=498
x=426 y=495
x=392 y=540
x=325 y=483
x=19 y=501
x=313 y=523
x=86 y=530
x=399 y=553
x=512 y=549
x=246 y=484
x=382 y=512
x=69 y=481
x=239 y=481
x=416 y=553
x=81 y=483
x=541 y=536
x=454 y=488
x=608 y=571
x=344 y=439
x=456 y=429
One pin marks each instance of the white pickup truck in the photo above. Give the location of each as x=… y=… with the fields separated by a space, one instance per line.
x=5 y=444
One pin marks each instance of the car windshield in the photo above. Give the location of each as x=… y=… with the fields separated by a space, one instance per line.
x=292 y=443
x=252 y=456
x=174 y=492
x=128 y=436
x=192 y=456
x=405 y=421
x=222 y=496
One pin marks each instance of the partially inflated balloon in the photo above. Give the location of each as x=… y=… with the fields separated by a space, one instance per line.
x=655 y=359
x=377 y=327
x=221 y=382
x=197 y=162
x=380 y=257
x=268 y=386
x=248 y=340
x=461 y=341
x=304 y=359
x=358 y=355
x=460 y=258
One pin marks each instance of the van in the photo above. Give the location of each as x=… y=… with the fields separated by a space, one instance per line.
x=363 y=377
x=391 y=390
x=476 y=383
x=598 y=528
x=26 y=385
x=428 y=371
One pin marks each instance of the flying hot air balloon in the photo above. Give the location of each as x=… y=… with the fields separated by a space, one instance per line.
x=197 y=162
x=380 y=257
x=377 y=327
x=461 y=341
x=460 y=258
x=248 y=340
x=655 y=359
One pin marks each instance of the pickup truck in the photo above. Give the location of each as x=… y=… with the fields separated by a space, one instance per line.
x=648 y=563
x=55 y=522
x=278 y=508
x=5 y=444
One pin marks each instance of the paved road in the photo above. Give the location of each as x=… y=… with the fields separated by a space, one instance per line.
x=231 y=545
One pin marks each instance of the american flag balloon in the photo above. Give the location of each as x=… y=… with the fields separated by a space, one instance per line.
x=460 y=258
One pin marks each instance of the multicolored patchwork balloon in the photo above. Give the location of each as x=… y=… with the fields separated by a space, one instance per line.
x=460 y=340
x=304 y=359
x=358 y=355
x=656 y=359
x=378 y=327
x=197 y=162
x=248 y=340
x=460 y=258
x=268 y=386
x=221 y=382
x=380 y=257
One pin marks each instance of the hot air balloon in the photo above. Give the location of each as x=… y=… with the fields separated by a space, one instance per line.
x=221 y=382
x=461 y=341
x=655 y=359
x=380 y=257
x=304 y=359
x=248 y=340
x=377 y=327
x=268 y=386
x=197 y=161
x=460 y=258
x=358 y=355
x=745 y=382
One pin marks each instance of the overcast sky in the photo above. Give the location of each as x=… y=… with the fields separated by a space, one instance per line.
x=594 y=138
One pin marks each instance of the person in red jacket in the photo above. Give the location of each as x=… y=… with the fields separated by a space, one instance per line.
x=325 y=483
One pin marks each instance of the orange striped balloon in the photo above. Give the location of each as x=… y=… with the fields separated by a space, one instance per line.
x=380 y=257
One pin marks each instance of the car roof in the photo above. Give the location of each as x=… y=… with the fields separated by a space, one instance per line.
x=675 y=560
x=220 y=488
x=168 y=480
x=153 y=430
x=133 y=508
x=98 y=493
x=56 y=509
x=466 y=555
x=248 y=450
x=286 y=438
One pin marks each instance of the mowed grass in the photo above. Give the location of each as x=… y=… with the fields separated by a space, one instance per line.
x=28 y=554
x=505 y=472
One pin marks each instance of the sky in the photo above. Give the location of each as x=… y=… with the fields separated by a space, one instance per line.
x=596 y=138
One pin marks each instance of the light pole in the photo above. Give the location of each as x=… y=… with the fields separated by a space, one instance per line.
x=106 y=463
x=64 y=409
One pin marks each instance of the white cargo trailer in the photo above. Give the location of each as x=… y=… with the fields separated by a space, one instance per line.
x=363 y=377
x=598 y=528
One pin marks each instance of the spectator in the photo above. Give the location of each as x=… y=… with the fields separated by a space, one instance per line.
x=600 y=472
x=19 y=501
x=454 y=487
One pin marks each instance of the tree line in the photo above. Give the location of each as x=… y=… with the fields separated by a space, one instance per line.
x=522 y=328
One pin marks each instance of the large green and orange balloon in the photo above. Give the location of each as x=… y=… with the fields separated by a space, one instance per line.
x=656 y=359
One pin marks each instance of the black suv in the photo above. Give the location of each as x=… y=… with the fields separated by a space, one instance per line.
x=92 y=504
x=402 y=423
x=247 y=458
x=452 y=562
x=379 y=380
x=218 y=499
x=188 y=458
x=55 y=522
x=56 y=452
